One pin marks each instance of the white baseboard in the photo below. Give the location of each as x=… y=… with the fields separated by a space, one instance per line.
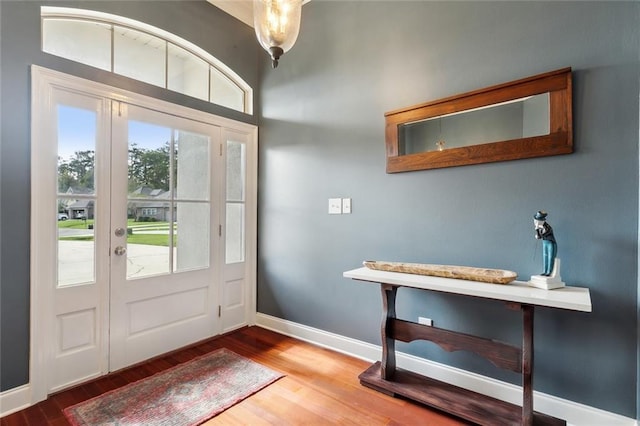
x=15 y=399
x=574 y=413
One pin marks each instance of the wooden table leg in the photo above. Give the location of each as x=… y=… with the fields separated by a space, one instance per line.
x=388 y=362
x=527 y=365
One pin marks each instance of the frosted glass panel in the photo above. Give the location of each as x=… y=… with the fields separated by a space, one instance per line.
x=225 y=92
x=192 y=235
x=235 y=171
x=139 y=55
x=236 y=175
x=188 y=74
x=76 y=242
x=192 y=166
x=235 y=233
x=81 y=41
x=144 y=55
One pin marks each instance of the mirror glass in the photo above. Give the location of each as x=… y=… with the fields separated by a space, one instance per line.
x=515 y=119
x=527 y=118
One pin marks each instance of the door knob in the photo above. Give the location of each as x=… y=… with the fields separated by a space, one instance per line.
x=119 y=251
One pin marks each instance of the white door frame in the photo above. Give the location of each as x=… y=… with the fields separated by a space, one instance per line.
x=42 y=260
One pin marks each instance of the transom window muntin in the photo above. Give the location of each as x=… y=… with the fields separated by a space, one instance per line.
x=143 y=52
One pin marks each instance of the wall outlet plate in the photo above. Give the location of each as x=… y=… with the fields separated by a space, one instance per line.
x=425 y=321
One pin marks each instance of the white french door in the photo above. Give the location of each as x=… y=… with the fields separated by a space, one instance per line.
x=164 y=208
x=142 y=228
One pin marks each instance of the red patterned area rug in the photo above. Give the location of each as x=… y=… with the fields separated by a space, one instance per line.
x=185 y=395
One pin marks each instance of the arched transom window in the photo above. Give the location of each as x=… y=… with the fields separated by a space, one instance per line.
x=143 y=52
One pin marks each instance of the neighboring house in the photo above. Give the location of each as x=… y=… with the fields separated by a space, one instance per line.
x=78 y=191
x=155 y=211
x=81 y=209
x=157 y=208
x=64 y=204
x=143 y=191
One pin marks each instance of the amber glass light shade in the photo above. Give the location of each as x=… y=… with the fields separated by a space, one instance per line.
x=277 y=24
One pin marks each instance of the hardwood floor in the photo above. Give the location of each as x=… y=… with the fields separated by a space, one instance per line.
x=320 y=387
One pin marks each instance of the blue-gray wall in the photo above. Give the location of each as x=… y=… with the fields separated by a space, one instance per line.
x=197 y=21
x=322 y=136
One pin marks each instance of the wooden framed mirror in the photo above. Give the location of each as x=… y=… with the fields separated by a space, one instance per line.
x=531 y=117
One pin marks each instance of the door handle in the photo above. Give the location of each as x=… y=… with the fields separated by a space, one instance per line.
x=119 y=251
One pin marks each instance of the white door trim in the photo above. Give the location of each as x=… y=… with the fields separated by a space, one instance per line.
x=41 y=258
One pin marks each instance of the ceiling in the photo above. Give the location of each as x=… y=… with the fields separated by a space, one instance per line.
x=240 y=9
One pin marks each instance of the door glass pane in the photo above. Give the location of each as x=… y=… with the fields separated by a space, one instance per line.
x=139 y=55
x=149 y=204
x=188 y=74
x=76 y=242
x=76 y=150
x=169 y=229
x=192 y=235
x=81 y=41
x=236 y=175
x=149 y=158
x=77 y=130
x=192 y=166
x=147 y=247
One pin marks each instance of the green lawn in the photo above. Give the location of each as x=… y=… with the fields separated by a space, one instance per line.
x=131 y=223
x=146 y=239
x=81 y=238
x=75 y=223
x=150 y=239
x=134 y=238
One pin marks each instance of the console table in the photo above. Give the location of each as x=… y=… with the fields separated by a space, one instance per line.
x=383 y=376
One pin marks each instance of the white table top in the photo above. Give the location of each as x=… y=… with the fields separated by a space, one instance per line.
x=571 y=298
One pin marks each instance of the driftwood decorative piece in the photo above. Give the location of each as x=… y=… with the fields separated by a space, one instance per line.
x=485 y=275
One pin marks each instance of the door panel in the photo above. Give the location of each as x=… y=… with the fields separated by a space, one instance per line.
x=234 y=301
x=163 y=286
x=78 y=329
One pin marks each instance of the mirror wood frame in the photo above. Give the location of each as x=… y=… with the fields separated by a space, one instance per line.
x=559 y=140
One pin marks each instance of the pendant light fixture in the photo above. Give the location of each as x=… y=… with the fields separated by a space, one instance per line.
x=277 y=23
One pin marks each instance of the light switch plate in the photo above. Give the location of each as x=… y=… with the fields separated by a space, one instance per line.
x=346 y=206
x=335 y=205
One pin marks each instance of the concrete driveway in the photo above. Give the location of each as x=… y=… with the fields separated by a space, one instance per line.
x=76 y=260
